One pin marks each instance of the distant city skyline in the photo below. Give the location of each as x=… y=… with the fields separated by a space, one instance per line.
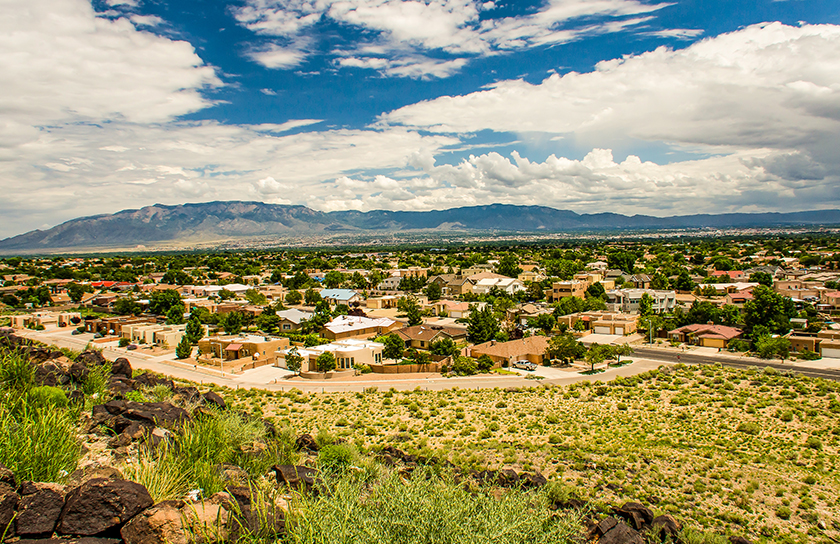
x=629 y=106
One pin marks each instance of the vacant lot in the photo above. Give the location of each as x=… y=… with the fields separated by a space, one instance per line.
x=719 y=448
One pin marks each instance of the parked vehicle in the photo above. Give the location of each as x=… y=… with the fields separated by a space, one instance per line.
x=524 y=365
x=131 y=347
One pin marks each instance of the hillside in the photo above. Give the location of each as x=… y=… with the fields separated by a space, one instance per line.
x=216 y=221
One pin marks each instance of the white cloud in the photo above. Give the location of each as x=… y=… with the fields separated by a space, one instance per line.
x=399 y=35
x=61 y=62
x=276 y=56
x=751 y=88
x=146 y=20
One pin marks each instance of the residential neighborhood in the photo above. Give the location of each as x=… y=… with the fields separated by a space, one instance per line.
x=242 y=312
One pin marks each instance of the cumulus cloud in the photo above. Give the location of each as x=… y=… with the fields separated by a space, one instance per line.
x=60 y=61
x=747 y=88
x=399 y=35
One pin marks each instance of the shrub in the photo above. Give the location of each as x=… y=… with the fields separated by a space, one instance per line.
x=47 y=397
x=814 y=443
x=363 y=368
x=464 y=366
x=808 y=355
x=337 y=457
x=786 y=416
x=124 y=342
x=484 y=363
x=783 y=512
x=749 y=427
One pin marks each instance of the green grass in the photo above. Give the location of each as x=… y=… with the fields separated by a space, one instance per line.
x=38 y=434
x=425 y=509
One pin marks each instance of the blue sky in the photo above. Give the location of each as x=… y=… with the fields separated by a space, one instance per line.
x=633 y=106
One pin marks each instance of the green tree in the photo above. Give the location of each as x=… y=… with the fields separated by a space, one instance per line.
x=544 y=322
x=226 y=294
x=622 y=350
x=768 y=309
x=683 y=281
x=184 y=348
x=645 y=305
x=433 y=291
x=444 y=347
x=231 y=322
x=597 y=354
x=509 y=266
x=294 y=361
x=535 y=291
x=255 y=297
x=175 y=315
x=195 y=330
x=76 y=291
x=484 y=363
x=126 y=306
x=326 y=362
x=768 y=347
x=394 y=346
x=659 y=281
x=411 y=308
x=622 y=260
x=161 y=301
x=566 y=348
x=596 y=290
x=762 y=278
x=293 y=298
x=311 y=297
x=333 y=279
x=482 y=325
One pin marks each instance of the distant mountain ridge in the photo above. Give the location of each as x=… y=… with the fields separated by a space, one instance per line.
x=210 y=221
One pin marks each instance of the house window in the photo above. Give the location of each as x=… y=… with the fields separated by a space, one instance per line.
x=286 y=326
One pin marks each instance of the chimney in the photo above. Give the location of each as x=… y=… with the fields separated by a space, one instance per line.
x=492 y=342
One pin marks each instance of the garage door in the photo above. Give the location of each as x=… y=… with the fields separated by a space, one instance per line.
x=619 y=330
x=833 y=353
x=602 y=330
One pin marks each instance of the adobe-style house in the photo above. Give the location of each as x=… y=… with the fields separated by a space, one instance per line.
x=348 y=354
x=571 y=288
x=421 y=336
x=349 y=326
x=453 y=309
x=232 y=347
x=531 y=349
x=453 y=284
x=710 y=336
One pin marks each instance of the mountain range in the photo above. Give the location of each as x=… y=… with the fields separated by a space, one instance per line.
x=218 y=221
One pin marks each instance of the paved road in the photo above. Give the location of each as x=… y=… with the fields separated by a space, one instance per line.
x=806 y=368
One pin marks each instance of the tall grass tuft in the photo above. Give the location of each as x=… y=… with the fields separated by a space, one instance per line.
x=38 y=443
x=17 y=374
x=425 y=509
x=161 y=471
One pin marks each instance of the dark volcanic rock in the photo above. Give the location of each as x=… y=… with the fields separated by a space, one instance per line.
x=636 y=513
x=100 y=505
x=121 y=367
x=214 y=399
x=91 y=358
x=666 y=525
x=39 y=509
x=119 y=385
x=621 y=533
x=7 y=477
x=51 y=374
x=79 y=372
x=739 y=540
x=532 y=480
x=8 y=504
x=305 y=442
x=296 y=477
x=160 y=523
